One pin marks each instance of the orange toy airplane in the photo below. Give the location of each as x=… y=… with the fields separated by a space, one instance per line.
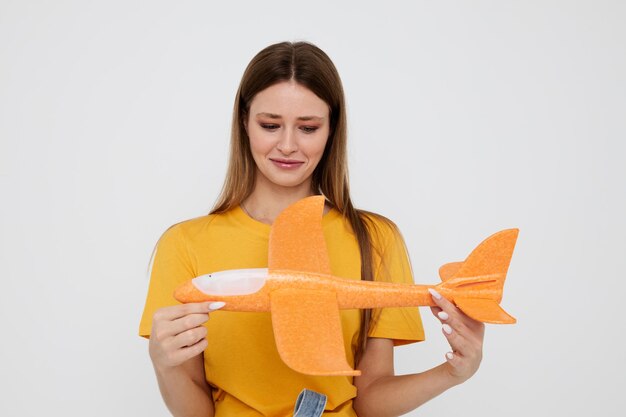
x=304 y=297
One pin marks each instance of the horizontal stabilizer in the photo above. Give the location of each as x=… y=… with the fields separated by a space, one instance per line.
x=481 y=309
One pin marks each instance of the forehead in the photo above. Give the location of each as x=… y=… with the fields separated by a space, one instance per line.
x=288 y=99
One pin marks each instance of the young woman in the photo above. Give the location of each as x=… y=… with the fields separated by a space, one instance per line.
x=289 y=142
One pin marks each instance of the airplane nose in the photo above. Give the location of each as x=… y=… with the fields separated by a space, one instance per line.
x=232 y=282
x=188 y=293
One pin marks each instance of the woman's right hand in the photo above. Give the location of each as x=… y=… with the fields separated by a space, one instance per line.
x=178 y=333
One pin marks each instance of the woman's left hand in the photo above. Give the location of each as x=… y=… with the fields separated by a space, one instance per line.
x=465 y=336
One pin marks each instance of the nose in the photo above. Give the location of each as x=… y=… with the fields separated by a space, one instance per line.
x=287 y=143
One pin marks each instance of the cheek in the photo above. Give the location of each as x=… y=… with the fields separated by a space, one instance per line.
x=318 y=147
x=258 y=142
x=314 y=155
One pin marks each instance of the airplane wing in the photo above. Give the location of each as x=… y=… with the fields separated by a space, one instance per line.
x=297 y=239
x=307 y=330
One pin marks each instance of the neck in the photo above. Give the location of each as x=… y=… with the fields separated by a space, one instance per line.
x=266 y=201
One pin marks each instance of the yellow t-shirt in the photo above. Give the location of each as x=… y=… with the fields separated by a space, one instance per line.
x=241 y=363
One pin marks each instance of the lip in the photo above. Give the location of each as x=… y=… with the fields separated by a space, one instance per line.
x=286 y=163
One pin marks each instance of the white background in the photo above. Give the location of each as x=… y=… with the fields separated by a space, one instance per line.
x=464 y=118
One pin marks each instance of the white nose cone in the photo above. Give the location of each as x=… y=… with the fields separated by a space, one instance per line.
x=232 y=282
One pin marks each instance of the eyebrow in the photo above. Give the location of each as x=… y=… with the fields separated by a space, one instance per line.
x=277 y=116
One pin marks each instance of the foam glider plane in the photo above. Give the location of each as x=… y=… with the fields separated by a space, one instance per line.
x=304 y=298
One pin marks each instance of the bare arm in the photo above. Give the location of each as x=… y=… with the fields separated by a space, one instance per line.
x=184 y=389
x=381 y=393
x=177 y=342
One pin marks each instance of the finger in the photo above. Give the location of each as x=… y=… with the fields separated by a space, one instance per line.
x=462 y=323
x=177 y=311
x=472 y=354
x=189 y=352
x=457 y=342
x=440 y=300
x=189 y=337
x=471 y=323
x=449 y=312
x=453 y=359
x=440 y=314
x=194 y=320
x=472 y=328
x=163 y=328
x=186 y=323
x=435 y=310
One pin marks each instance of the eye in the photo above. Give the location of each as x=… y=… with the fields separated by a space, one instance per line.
x=269 y=126
x=309 y=129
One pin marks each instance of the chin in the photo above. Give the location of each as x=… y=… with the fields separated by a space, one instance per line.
x=287 y=182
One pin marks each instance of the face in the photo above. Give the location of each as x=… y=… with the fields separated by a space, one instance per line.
x=288 y=126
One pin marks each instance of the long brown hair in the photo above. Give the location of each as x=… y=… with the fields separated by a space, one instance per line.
x=310 y=67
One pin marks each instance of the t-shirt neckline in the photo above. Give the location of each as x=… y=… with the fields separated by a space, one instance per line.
x=265 y=228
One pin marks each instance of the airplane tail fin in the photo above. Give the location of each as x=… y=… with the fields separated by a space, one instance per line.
x=476 y=284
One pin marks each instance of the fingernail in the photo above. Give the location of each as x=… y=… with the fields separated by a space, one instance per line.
x=434 y=293
x=216 y=305
x=443 y=315
x=450 y=356
x=446 y=328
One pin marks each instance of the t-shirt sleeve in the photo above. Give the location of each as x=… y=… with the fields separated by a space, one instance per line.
x=172 y=266
x=402 y=325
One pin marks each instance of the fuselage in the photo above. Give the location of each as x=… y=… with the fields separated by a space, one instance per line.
x=350 y=293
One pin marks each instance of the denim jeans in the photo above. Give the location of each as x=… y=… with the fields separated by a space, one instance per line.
x=309 y=404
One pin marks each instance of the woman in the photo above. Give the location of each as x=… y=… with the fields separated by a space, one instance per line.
x=289 y=142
